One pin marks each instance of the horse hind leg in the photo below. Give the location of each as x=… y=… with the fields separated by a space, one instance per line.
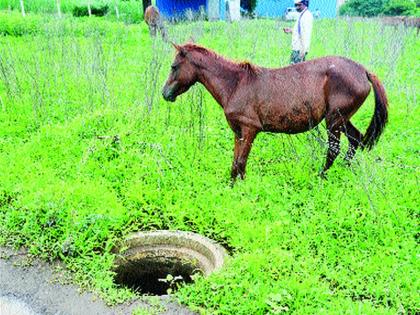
x=334 y=133
x=346 y=93
x=355 y=138
x=335 y=126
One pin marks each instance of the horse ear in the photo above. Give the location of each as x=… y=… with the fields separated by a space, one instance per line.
x=181 y=50
x=177 y=47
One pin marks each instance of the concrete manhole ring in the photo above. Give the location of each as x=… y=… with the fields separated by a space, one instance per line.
x=154 y=262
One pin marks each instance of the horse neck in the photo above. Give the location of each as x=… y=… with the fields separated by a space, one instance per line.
x=220 y=77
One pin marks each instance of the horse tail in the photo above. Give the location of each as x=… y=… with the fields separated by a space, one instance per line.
x=380 y=116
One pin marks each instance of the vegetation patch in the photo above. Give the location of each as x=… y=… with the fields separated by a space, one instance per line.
x=98 y=10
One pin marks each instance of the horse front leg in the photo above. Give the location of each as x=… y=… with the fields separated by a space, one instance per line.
x=235 y=171
x=243 y=144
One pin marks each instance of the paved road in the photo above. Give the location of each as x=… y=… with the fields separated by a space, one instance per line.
x=10 y=305
x=30 y=290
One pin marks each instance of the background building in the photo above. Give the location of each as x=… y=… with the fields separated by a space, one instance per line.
x=216 y=9
x=276 y=8
x=178 y=8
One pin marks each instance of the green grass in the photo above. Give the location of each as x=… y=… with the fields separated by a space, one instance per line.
x=90 y=152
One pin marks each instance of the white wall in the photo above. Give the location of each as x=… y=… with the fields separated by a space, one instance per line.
x=234 y=10
x=213 y=9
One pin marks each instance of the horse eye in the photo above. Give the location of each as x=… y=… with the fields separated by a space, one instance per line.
x=174 y=67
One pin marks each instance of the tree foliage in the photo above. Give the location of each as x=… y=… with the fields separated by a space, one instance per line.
x=98 y=10
x=400 y=7
x=363 y=7
x=249 y=5
x=379 y=7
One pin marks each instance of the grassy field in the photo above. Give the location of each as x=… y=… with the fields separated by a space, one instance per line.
x=129 y=11
x=90 y=152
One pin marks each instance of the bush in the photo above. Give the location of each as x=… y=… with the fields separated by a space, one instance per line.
x=14 y=24
x=363 y=7
x=130 y=11
x=377 y=7
x=39 y=6
x=400 y=7
x=98 y=10
x=249 y=5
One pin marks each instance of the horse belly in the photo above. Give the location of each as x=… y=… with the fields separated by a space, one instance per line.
x=294 y=120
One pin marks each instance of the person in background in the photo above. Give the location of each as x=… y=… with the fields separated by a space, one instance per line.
x=301 y=32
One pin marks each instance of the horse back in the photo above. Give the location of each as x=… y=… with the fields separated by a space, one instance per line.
x=293 y=99
x=309 y=79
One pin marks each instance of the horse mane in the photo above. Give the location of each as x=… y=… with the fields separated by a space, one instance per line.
x=250 y=69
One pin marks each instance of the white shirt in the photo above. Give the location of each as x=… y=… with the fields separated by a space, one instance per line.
x=302 y=41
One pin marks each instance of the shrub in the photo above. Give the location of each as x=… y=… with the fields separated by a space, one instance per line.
x=363 y=7
x=400 y=7
x=15 y=25
x=39 y=6
x=249 y=5
x=98 y=10
x=130 y=11
x=377 y=7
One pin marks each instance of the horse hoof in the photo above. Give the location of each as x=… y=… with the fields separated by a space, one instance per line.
x=323 y=174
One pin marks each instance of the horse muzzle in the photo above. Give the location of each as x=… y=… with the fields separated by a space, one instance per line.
x=169 y=98
x=168 y=95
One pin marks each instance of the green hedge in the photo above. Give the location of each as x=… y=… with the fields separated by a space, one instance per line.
x=97 y=10
x=13 y=24
x=130 y=11
x=370 y=8
x=400 y=7
x=40 y=6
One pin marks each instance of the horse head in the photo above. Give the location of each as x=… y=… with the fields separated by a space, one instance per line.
x=182 y=76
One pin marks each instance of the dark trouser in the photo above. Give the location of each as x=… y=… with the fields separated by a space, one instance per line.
x=295 y=58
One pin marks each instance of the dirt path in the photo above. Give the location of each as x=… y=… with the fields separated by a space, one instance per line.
x=31 y=290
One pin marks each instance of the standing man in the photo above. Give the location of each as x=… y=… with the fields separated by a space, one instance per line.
x=301 y=33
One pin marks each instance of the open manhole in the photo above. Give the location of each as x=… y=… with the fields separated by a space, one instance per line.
x=156 y=262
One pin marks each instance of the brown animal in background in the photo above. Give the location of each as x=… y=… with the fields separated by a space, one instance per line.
x=406 y=21
x=155 y=22
x=290 y=100
x=411 y=21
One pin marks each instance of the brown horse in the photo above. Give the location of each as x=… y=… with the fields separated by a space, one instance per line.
x=155 y=22
x=290 y=100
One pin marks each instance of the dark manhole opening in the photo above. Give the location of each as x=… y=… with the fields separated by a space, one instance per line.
x=156 y=275
x=158 y=262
